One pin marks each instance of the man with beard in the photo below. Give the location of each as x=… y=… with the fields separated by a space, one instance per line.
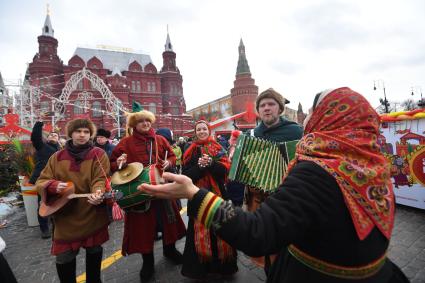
x=43 y=151
x=273 y=127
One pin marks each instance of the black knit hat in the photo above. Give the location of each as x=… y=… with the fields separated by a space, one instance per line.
x=103 y=133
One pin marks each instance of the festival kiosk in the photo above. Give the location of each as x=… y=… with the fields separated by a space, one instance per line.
x=402 y=140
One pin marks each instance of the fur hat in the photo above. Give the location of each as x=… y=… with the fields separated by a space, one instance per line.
x=271 y=93
x=103 y=133
x=75 y=124
x=134 y=118
x=138 y=114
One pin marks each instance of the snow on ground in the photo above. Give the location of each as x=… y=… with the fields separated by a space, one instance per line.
x=5 y=204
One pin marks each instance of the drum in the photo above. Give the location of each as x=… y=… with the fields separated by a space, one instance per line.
x=126 y=181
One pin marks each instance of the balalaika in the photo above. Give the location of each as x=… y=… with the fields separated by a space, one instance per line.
x=259 y=163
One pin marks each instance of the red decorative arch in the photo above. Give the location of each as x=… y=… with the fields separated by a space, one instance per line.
x=412 y=136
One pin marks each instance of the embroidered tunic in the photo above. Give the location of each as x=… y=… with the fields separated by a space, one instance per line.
x=78 y=223
x=140 y=227
x=204 y=252
x=308 y=225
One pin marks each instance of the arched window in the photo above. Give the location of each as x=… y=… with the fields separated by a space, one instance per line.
x=78 y=107
x=175 y=110
x=97 y=109
x=152 y=107
x=151 y=86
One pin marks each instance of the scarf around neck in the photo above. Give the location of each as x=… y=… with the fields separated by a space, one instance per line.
x=208 y=146
x=145 y=136
x=78 y=152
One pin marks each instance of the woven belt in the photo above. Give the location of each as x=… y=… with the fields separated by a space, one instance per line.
x=346 y=272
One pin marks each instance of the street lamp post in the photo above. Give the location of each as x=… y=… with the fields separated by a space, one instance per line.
x=381 y=84
x=421 y=102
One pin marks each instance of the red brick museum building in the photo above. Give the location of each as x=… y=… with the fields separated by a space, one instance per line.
x=102 y=83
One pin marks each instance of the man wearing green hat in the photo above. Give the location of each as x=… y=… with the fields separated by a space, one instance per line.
x=142 y=145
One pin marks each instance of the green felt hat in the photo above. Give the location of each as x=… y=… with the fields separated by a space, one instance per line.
x=136 y=107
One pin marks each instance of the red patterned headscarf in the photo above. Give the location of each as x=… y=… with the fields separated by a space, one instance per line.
x=341 y=137
x=208 y=146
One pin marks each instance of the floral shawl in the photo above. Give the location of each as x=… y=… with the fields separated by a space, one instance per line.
x=341 y=137
x=202 y=235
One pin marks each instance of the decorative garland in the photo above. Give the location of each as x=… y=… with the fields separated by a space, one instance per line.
x=403 y=115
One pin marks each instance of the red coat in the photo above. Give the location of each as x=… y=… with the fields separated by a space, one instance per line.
x=137 y=150
x=140 y=228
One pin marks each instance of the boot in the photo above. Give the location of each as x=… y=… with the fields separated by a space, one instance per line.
x=66 y=272
x=173 y=254
x=93 y=264
x=45 y=234
x=148 y=267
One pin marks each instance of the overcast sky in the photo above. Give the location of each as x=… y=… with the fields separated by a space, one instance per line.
x=296 y=47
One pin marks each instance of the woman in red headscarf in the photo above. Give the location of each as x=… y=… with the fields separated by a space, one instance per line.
x=332 y=217
x=207 y=164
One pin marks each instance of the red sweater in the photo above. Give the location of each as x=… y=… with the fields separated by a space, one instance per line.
x=138 y=151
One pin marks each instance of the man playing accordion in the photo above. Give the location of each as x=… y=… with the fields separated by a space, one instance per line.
x=273 y=127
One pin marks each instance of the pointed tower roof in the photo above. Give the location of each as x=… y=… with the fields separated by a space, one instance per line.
x=243 y=67
x=1 y=81
x=168 y=45
x=47 y=28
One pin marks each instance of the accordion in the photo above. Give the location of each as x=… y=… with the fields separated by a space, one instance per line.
x=259 y=163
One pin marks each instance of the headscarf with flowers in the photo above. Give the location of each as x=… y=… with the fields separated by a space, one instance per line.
x=202 y=235
x=214 y=150
x=341 y=137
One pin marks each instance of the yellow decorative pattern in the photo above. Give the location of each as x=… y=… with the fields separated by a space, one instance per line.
x=339 y=271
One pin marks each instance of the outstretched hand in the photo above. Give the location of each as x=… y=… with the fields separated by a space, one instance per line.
x=181 y=187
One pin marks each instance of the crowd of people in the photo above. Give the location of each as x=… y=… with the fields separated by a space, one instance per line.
x=329 y=221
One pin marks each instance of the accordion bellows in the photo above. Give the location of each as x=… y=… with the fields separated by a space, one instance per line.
x=259 y=163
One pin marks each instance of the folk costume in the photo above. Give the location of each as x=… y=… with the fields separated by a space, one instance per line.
x=204 y=252
x=332 y=217
x=78 y=224
x=141 y=220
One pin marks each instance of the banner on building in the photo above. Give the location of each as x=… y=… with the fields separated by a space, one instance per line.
x=402 y=141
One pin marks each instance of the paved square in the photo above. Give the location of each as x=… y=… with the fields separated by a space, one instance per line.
x=30 y=259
